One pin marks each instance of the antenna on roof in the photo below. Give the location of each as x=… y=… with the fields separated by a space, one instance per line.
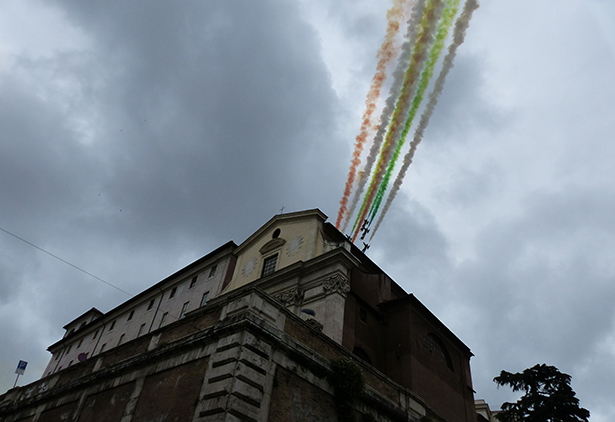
x=282 y=210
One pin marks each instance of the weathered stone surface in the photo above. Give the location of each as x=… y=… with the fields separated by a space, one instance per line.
x=294 y=399
x=107 y=405
x=171 y=395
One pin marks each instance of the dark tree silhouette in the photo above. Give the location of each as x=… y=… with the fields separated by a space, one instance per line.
x=548 y=396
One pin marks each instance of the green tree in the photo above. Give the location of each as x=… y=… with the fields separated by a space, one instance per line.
x=548 y=396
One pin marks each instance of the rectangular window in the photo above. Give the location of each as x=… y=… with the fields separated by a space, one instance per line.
x=68 y=350
x=184 y=309
x=163 y=320
x=204 y=300
x=212 y=272
x=141 y=330
x=79 y=344
x=102 y=348
x=95 y=334
x=121 y=339
x=151 y=304
x=193 y=282
x=112 y=325
x=57 y=357
x=172 y=294
x=70 y=363
x=131 y=314
x=363 y=315
x=269 y=265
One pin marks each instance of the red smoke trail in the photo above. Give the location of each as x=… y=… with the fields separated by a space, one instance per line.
x=428 y=24
x=385 y=55
x=461 y=26
x=396 y=86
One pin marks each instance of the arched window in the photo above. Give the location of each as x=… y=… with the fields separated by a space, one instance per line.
x=437 y=347
x=361 y=354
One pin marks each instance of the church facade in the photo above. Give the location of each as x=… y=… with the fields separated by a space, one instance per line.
x=249 y=332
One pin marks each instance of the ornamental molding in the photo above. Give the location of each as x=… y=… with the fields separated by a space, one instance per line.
x=336 y=284
x=294 y=245
x=290 y=297
x=272 y=245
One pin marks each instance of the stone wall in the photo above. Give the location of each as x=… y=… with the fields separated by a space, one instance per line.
x=259 y=362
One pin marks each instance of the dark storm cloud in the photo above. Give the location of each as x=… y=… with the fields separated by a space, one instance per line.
x=137 y=136
x=463 y=107
x=35 y=144
x=177 y=128
x=214 y=106
x=540 y=289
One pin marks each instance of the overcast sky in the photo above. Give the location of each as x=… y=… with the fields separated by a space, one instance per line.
x=135 y=137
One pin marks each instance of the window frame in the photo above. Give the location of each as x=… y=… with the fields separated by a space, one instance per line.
x=267 y=269
x=184 y=309
x=163 y=320
x=204 y=299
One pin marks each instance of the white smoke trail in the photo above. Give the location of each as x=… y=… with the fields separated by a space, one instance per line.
x=429 y=25
x=385 y=55
x=398 y=79
x=461 y=26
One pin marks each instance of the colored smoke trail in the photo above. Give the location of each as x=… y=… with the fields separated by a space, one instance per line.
x=386 y=53
x=461 y=26
x=398 y=75
x=429 y=20
x=444 y=27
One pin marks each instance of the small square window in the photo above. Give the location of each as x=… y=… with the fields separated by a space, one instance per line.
x=193 y=282
x=173 y=291
x=184 y=309
x=141 y=330
x=102 y=348
x=131 y=314
x=151 y=304
x=70 y=363
x=121 y=339
x=269 y=265
x=68 y=350
x=204 y=300
x=163 y=320
x=112 y=325
x=212 y=272
x=79 y=344
x=95 y=334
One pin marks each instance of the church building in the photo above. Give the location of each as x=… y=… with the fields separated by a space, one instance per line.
x=250 y=332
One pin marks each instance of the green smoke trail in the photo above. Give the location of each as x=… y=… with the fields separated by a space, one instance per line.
x=444 y=27
x=403 y=62
x=423 y=41
x=459 y=33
